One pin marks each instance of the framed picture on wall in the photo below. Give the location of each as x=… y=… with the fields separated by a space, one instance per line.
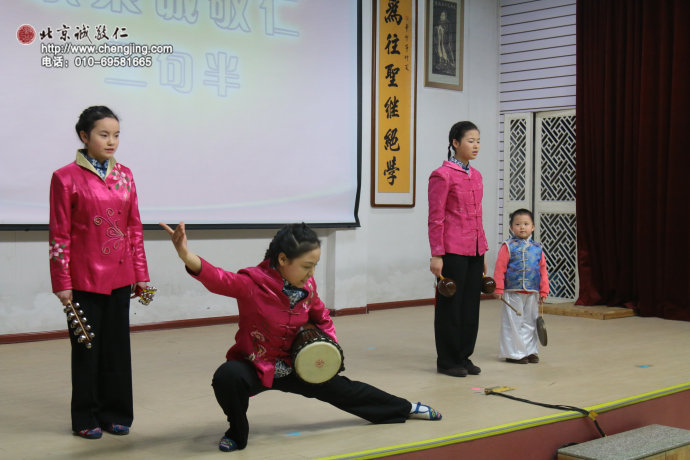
x=443 y=38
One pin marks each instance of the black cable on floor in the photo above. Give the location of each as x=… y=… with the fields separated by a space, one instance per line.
x=590 y=414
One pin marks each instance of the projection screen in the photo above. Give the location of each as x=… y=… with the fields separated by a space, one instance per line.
x=232 y=112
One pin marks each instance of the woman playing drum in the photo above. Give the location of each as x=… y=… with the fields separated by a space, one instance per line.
x=275 y=300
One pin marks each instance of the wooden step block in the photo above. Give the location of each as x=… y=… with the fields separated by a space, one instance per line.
x=652 y=442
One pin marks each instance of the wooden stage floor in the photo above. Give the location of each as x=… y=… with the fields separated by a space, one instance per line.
x=588 y=363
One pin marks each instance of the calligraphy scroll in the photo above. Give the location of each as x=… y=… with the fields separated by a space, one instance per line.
x=393 y=103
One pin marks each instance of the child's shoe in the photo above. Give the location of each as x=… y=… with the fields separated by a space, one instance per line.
x=518 y=361
x=533 y=359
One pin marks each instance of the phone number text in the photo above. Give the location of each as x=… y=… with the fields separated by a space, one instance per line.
x=113 y=61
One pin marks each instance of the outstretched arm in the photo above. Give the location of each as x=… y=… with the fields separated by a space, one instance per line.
x=179 y=239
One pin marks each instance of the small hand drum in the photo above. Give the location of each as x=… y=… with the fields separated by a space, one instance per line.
x=541 y=331
x=316 y=357
x=488 y=285
x=446 y=287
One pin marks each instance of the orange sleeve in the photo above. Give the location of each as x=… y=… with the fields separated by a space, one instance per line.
x=500 y=269
x=544 y=285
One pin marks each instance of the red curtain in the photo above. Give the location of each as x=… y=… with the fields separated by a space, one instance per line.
x=633 y=146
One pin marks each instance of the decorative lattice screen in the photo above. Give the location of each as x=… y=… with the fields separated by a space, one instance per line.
x=540 y=175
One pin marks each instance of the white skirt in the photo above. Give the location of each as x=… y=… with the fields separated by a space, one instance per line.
x=519 y=333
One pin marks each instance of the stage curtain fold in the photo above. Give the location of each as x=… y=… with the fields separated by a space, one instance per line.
x=633 y=146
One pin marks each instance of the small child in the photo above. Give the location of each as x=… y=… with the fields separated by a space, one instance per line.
x=521 y=277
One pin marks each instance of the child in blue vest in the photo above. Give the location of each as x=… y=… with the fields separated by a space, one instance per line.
x=522 y=279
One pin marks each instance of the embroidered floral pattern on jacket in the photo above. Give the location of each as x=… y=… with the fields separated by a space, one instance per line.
x=259 y=349
x=123 y=181
x=56 y=253
x=257 y=336
x=305 y=305
x=112 y=231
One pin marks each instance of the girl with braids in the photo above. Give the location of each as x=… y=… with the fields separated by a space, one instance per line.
x=458 y=244
x=275 y=300
x=96 y=254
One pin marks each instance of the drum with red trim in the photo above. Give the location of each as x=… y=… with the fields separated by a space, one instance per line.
x=315 y=356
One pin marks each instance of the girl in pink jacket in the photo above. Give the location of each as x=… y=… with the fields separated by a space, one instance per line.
x=458 y=244
x=275 y=300
x=96 y=255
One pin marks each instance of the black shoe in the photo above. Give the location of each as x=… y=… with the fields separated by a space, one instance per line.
x=518 y=361
x=472 y=369
x=453 y=371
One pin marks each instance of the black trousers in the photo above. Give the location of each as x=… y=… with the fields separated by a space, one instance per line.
x=235 y=381
x=456 y=319
x=102 y=375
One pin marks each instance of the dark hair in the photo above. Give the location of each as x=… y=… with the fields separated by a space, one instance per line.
x=90 y=116
x=457 y=132
x=521 y=212
x=294 y=240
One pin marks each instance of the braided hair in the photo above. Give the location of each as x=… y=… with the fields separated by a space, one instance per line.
x=457 y=132
x=294 y=240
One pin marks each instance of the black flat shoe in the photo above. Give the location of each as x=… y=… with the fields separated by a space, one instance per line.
x=453 y=371
x=472 y=369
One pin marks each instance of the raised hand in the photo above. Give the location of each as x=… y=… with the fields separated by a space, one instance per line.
x=178 y=236
x=179 y=240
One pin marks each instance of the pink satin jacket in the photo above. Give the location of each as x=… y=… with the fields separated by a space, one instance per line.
x=267 y=325
x=455 y=211
x=96 y=236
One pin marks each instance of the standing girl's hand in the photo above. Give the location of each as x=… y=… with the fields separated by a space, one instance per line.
x=436 y=265
x=64 y=296
x=179 y=239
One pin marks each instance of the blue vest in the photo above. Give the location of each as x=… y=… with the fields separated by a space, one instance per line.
x=523 y=267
